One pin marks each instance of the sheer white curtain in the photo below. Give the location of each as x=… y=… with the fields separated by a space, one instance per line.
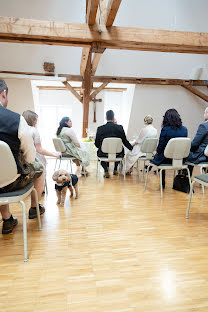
x=51 y=109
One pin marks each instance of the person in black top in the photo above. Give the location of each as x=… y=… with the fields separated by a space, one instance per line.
x=109 y=130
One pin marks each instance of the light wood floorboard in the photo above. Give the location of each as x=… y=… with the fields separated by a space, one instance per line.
x=117 y=248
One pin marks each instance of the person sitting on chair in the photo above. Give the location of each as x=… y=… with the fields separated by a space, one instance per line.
x=32 y=119
x=199 y=143
x=171 y=128
x=148 y=131
x=15 y=132
x=109 y=130
x=73 y=146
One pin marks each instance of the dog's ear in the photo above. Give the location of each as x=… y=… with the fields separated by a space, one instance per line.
x=55 y=175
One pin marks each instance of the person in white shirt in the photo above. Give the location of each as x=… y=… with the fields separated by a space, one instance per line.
x=15 y=132
x=32 y=119
x=73 y=148
x=148 y=131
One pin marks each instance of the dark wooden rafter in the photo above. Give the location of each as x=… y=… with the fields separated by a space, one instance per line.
x=100 y=88
x=59 y=33
x=196 y=92
x=72 y=90
x=112 y=9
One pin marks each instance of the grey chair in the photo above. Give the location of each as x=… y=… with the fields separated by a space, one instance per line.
x=177 y=149
x=9 y=173
x=60 y=147
x=112 y=146
x=201 y=179
x=148 y=147
x=202 y=165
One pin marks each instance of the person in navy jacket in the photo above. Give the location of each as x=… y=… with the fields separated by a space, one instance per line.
x=200 y=142
x=171 y=128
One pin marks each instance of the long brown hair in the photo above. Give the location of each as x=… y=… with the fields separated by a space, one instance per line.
x=30 y=117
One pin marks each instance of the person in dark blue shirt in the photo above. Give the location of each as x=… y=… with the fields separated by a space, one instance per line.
x=171 y=128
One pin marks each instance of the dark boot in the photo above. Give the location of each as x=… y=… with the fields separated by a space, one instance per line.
x=33 y=212
x=9 y=224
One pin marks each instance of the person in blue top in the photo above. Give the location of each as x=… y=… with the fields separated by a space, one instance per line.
x=171 y=128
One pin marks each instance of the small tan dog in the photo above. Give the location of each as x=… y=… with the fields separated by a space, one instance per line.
x=63 y=181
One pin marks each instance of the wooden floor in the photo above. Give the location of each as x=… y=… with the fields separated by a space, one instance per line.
x=116 y=248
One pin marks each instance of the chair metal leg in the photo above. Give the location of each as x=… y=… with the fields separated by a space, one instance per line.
x=138 y=167
x=189 y=177
x=189 y=200
x=71 y=165
x=55 y=164
x=24 y=221
x=146 y=177
x=161 y=186
x=97 y=169
x=37 y=208
x=144 y=168
x=124 y=169
x=201 y=171
x=60 y=163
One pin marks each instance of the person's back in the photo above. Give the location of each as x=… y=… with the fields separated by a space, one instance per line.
x=110 y=130
x=9 y=125
x=199 y=142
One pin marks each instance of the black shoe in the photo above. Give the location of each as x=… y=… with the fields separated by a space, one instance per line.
x=115 y=172
x=9 y=224
x=106 y=175
x=33 y=212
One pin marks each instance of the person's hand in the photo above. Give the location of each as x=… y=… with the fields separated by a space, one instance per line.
x=135 y=143
x=57 y=154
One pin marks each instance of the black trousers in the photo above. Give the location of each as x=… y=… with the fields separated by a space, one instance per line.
x=105 y=165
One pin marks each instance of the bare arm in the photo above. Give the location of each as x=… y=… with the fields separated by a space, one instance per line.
x=26 y=141
x=44 y=152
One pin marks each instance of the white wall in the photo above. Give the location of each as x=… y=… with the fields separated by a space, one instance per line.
x=20 y=95
x=155 y=100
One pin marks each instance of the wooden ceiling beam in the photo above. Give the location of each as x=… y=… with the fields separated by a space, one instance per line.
x=60 y=88
x=112 y=9
x=95 y=62
x=85 y=54
x=196 y=92
x=92 y=7
x=59 y=33
x=100 y=88
x=117 y=79
x=71 y=89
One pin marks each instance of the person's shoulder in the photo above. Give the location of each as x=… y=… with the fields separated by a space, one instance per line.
x=12 y=113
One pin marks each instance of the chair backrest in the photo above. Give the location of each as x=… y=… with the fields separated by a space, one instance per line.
x=149 y=146
x=59 y=145
x=206 y=151
x=8 y=167
x=112 y=146
x=177 y=149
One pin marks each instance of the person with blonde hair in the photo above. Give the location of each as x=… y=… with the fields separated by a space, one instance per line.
x=31 y=119
x=147 y=132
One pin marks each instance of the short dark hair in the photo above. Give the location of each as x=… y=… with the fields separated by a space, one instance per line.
x=110 y=115
x=172 y=119
x=3 y=86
